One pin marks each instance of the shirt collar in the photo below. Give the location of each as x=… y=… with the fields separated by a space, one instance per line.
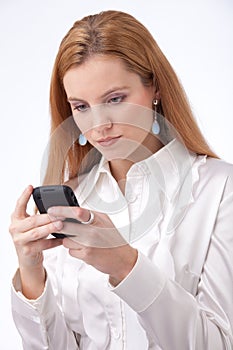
x=170 y=166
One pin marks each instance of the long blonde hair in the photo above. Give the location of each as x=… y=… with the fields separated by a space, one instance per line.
x=119 y=35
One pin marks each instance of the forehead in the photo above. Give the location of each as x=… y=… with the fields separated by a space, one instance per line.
x=97 y=74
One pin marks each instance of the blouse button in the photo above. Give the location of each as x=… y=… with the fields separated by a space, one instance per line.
x=116 y=334
x=131 y=197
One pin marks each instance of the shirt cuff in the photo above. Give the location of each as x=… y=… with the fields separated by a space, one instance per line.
x=142 y=286
x=31 y=308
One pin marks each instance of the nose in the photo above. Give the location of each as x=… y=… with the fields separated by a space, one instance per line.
x=100 y=119
x=99 y=128
x=96 y=118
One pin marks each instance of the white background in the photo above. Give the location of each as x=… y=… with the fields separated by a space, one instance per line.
x=197 y=38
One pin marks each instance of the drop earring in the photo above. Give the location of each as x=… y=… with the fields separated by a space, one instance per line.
x=82 y=140
x=155 y=126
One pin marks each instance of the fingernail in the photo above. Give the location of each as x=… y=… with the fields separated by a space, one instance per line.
x=50 y=211
x=58 y=225
x=28 y=188
x=52 y=218
x=56 y=218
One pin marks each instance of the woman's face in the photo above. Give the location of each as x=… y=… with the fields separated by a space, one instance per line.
x=111 y=107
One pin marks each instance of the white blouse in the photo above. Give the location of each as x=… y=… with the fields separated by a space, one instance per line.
x=177 y=211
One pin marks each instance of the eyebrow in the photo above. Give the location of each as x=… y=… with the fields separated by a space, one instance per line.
x=108 y=92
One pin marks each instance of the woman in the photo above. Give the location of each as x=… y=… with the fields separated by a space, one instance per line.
x=151 y=265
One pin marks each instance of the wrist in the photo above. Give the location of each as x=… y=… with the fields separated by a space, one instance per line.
x=32 y=281
x=127 y=266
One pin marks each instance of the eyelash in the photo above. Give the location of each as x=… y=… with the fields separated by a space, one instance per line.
x=77 y=108
x=119 y=98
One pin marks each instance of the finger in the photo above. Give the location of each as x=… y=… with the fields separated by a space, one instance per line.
x=21 y=205
x=37 y=233
x=33 y=248
x=77 y=213
x=48 y=244
x=76 y=249
x=21 y=226
x=91 y=236
x=69 y=243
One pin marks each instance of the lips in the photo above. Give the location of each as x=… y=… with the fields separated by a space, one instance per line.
x=108 y=141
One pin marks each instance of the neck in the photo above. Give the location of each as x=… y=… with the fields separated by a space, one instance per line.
x=120 y=167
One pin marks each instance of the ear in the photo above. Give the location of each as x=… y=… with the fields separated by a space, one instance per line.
x=157 y=95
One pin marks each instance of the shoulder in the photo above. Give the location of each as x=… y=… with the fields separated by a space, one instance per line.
x=217 y=167
x=217 y=173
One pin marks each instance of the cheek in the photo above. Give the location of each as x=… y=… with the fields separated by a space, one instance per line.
x=133 y=116
x=83 y=121
x=137 y=133
x=89 y=137
x=139 y=119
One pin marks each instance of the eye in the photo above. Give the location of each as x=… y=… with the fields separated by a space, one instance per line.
x=116 y=99
x=80 y=107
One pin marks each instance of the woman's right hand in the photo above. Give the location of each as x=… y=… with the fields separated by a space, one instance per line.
x=29 y=234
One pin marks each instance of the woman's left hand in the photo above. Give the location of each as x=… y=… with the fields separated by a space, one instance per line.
x=98 y=244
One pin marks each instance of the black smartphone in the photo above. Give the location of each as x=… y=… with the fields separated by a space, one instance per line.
x=54 y=195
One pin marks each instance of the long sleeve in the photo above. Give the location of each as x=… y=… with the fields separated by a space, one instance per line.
x=40 y=322
x=178 y=296
x=174 y=318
